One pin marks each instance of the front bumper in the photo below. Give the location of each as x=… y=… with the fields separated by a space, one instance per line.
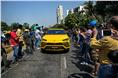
x=55 y=46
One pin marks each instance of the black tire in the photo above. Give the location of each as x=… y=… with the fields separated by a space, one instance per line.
x=67 y=50
x=42 y=50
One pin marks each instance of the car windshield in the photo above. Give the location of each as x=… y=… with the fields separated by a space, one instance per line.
x=56 y=32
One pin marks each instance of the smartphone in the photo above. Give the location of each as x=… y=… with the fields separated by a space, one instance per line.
x=106 y=32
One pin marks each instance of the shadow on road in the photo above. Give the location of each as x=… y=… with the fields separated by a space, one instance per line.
x=80 y=75
x=86 y=70
x=54 y=52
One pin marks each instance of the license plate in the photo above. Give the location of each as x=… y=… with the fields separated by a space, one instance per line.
x=55 y=47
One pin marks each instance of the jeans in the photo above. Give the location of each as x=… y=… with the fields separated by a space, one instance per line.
x=33 y=44
x=115 y=71
x=15 y=54
x=105 y=71
x=81 y=46
x=4 y=57
x=20 y=51
x=86 y=53
x=20 y=46
x=37 y=42
x=29 y=49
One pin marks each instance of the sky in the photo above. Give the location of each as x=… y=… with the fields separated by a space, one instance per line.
x=34 y=12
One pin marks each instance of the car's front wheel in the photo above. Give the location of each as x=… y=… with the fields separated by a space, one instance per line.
x=42 y=50
x=66 y=50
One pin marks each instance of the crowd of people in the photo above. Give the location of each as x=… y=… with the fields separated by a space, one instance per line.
x=18 y=38
x=98 y=49
x=94 y=48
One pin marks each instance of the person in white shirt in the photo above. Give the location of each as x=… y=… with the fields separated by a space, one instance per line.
x=38 y=38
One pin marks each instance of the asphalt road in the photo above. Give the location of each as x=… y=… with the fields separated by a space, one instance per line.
x=46 y=65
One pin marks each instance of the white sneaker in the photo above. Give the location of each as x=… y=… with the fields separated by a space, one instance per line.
x=82 y=63
x=86 y=63
x=38 y=48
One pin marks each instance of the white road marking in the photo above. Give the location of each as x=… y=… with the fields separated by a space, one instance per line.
x=65 y=63
x=63 y=67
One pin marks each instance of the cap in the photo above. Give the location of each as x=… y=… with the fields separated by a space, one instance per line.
x=92 y=23
x=26 y=30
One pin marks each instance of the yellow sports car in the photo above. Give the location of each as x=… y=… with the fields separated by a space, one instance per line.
x=55 y=40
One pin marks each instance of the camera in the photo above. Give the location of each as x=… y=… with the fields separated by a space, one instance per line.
x=106 y=32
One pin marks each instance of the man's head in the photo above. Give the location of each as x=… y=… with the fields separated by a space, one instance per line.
x=114 y=22
x=26 y=30
x=14 y=28
x=114 y=25
x=82 y=29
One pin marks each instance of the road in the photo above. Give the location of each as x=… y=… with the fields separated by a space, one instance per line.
x=49 y=65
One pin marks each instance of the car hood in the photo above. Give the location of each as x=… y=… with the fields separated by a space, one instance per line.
x=55 y=37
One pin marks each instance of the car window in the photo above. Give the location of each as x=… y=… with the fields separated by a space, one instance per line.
x=56 y=32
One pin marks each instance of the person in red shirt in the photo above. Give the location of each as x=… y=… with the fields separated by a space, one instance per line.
x=14 y=43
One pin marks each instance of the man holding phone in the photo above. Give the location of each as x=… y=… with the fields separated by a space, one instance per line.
x=106 y=45
x=106 y=32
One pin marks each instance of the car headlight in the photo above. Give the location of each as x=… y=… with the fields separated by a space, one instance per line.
x=66 y=39
x=66 y=44
x=43 y=44
x=44 y=40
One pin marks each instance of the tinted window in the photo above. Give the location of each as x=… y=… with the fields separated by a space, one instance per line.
x=56 y=32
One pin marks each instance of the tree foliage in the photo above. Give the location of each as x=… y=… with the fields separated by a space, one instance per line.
x=83 y=19
x=4 y=26
x=90 y=7
x=14 y=25
x=71 y=21
x=25 y=25
x=100 y=11
x=106 y=8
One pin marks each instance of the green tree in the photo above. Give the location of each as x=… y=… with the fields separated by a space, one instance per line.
x=106 y=8
x=89 y=7
x=26 y=25
x=71 y=21
x=14 y=25
x=4 y=26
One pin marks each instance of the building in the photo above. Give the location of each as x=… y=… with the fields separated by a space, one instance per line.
x=80 y=9
x=72 y=11
x=60 y=15
x=67 y=12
